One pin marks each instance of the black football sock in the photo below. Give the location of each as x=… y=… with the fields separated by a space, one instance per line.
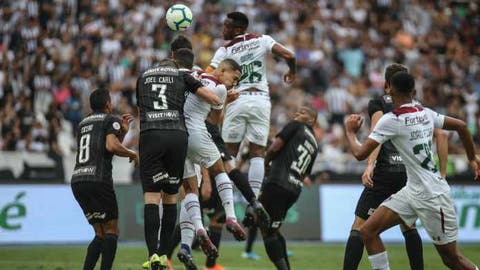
x=284 y=244
x=176 y=238
x=275 y=252
x=109 y=251
x=93 y=253
x=241 y=182
x=252 y=235
x=215 y=234
x=413 y=243
x=151 y=225
x=353 y=251
x=169 y=219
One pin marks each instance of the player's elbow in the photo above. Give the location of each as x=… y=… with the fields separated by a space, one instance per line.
x=360 y=155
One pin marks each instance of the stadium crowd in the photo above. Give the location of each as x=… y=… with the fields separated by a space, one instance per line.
x=54 y=53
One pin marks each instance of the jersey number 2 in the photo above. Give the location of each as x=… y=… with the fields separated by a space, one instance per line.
x=428 y=151
x=160 y=104
x=84 y=151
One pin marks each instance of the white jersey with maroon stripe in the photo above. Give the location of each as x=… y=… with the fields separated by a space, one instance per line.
x=196 y=109
x=410 y=129
x=250 y=52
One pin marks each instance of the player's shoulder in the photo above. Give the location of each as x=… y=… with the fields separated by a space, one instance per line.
x=242 y=38
x=209 y=79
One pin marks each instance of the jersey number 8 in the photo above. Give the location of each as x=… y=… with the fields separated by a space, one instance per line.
x=84 y=151
x=162 y=103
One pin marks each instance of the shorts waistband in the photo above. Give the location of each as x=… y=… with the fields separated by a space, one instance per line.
x=256 y=93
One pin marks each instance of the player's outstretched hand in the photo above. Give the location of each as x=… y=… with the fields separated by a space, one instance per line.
x=126 y=120
x=289 y=77
x=232 y=95
x=353 y=123
x=475 y=166
x=367 y=177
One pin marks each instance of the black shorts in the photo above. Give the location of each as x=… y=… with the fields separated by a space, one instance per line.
x=277 y=200
x=218 y=140
x=371 y=198
x=97 y=200
x=162 y=159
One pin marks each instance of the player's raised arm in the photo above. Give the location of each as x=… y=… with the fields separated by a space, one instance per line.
x=280 y=51
x=460 y=126
x=359 y=151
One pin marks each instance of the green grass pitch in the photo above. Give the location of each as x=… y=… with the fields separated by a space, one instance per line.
x=306 y=256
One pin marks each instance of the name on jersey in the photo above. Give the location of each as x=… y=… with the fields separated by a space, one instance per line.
x=163 y=115
x=150 y=80
x=86 y=129
x=90 y=170
x=243 y=47
x=420 y=134
x=312 y=137
x=416 y=120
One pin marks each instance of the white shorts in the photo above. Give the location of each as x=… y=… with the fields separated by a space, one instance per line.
x=247 y=117
x=201 y=150
x=437 y=214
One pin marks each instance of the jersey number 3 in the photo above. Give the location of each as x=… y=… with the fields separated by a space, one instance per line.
x=160 y=104
x=84 y=149
x=303 y=161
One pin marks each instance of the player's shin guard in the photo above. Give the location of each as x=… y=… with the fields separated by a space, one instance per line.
x=215 y=236
x=379 y=261
x=151 y=225
x=413 y=244
x=192 y=207
x=186 y=226
x=256 y=173
x=93 y=253
x=275 y=251
x=225 y=192
x=241 y=182
x=353 y=251
x=169 y=220
x=109 y=251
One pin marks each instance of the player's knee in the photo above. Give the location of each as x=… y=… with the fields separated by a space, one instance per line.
x=366 y=233
x=169 y=198
x=217 y=168
x=152 y=197
x=190 y=187
x=111 y=228
x=256 y=150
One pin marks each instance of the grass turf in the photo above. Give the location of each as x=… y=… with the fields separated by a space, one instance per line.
x=306 y=256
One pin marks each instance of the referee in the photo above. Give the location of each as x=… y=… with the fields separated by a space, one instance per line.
x=161 y=93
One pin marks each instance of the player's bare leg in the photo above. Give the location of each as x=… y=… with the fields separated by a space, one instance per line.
x=382 y=219
x=94 y=248
x=225 y=192
x=413 y=245
x=110 y=229
x=452 y=258
x=232 y=148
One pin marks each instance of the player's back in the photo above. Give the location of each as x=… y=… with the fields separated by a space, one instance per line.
x=93 y=161
x=197 y=109
x=410 y=129
x=250 y=51
x=295 y=159
x=160 y=97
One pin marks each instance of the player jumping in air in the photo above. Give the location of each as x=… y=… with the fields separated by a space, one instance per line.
x=426 y=195
x=99 y=137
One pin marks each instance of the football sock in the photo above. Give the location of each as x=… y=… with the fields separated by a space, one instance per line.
x=284 y=244
x=275 y=252
x=256 y=172
x=109 y=250
x=241 y=182
x=192 y=207
x=353 y=251
x=169 y=219
x=225 y=192
x=215 y=234
x=186 y=226
x=93 y=253
x=151 y=225
x=379 y=261
x=413 y=243
x=176 y=237
x=252 y=235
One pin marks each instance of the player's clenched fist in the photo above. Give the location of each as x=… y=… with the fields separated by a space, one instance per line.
x=353 y=123
x=475 y=166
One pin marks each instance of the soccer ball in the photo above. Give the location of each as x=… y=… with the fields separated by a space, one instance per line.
x=179 y=17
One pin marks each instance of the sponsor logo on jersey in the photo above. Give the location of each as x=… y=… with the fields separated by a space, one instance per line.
x=396 y=159
x=96 y=215
x=163 y=115
x=94 y=117
x=248 y=46
x=416 y=120
x=160 y=176
x=89 y=170
x=160 y=71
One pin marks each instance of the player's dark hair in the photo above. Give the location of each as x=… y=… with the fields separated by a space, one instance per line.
x=168 y=62
x=232 y=64
x=180 y=42
x=402 y=82
x=239 y=19
x=393 y=69
x=99 y=99
x=184 y=58
x=311 y=110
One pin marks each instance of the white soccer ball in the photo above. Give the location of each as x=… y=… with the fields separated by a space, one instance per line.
x=179 y=17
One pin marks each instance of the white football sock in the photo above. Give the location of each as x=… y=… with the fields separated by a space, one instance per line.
x=187 y=230
x=192 y=206
x=256 y=173
x=379 y=261
x=225 y=191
